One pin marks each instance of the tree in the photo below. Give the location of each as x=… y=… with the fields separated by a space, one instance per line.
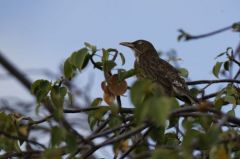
x=156 y=127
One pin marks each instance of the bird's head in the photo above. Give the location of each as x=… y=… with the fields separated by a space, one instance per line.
x=139 y=47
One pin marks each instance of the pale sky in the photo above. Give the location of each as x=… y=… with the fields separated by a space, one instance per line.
x=41 y=34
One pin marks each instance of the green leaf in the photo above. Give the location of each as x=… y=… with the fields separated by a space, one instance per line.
x=63 y=91
x=230 y=99
x=217 y=68
x=77 y=58
x=96 y=115
x=87 y=44
x=141 y=113
x=219 y=102
x=157 y=134
x=69 y=69
x=231 y=112
x=8 y=125
x=171 y=139
x=122 y=58
x=105 y=55
x=159 y=108
x=122 y=74
x=52 y=153
x=99 y=64
x=57 y=136
x=93 y=48
x=96 y=102
x=172 y=122
x=221 y=54
x=230 y=90
x=86 y=61
x=72 y=142
x=108 y=65
x=194 y=91
x=40 y=89
x=200 y=139
x=57 y=96
x=205 y=122
x=139 y=91
x=226 y=65
x=92 y=121
x=114 y=121
x=183 y=72
x=165 y=154
x=155 y=109
x=9 y=145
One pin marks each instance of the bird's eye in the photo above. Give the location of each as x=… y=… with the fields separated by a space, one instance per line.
x=140 y=42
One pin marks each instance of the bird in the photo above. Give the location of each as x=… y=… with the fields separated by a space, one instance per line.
x=148 y=65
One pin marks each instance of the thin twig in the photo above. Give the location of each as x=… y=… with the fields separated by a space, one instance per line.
x=184 y=110
x=21 y=154
x=231 y=58
x=188 y=36
x=94 y=63
x=41 y=120
x=116 y=139
x=237 y=74
x=81 y=110
x=213 y=81
x=135 y=144
x=95 y=132
x=21 y=138
x=115 y=55
x=210 y=95
x=108 y=131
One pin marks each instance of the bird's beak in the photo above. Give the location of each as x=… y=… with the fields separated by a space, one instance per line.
x=127 y=44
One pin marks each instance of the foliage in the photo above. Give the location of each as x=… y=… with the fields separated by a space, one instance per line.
x=154 y=127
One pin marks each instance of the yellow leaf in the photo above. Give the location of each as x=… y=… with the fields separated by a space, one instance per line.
x=23 y=130
x=222 y=153
x=124 y=145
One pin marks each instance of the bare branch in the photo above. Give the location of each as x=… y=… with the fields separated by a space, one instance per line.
x=188 y=36
x=116 y=139
x=21 y=77
x=135 y=144
x=30 y=153
x=213 y=81
x=21 y=138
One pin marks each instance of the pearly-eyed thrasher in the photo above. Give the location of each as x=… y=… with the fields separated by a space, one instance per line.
x=149 y=65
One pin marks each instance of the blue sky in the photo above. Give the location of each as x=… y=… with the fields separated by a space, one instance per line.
x=41 y=34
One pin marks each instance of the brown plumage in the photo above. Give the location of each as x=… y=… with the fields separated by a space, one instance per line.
x=150 y=66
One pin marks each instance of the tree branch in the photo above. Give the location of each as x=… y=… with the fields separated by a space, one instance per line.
x=21 y=77
x=188 y=36
x=213 y=81
x=135 y=144
x=182 y=111
x=116 y=139
x=27 y=154
x=21 y=138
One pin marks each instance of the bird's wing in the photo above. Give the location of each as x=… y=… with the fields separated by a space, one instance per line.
x=179 y=85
